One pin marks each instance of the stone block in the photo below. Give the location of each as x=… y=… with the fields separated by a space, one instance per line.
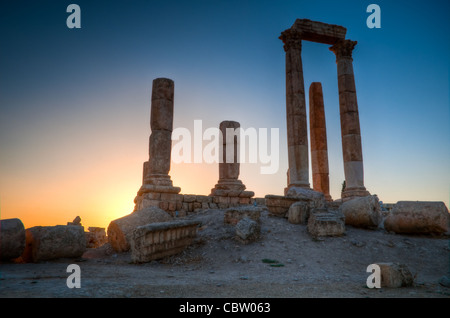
x=246 y=194
x=324 y=222
x=189 y=198
x=223 y=205
x=119 y=230
x=394 y=275
x=197 y=205
x=298 y=213
x=203 y=199
x=164 y=205
x=155 y=241
x=171 y=197
x=247 y=229
x=318 y=31
x=279 y=205
x=418 y=217
x=172 y=206
x=315 y=199
x=224 y=200
x=234 y=214
x=96 y=237
x=244 y=200
x=213 y=205
x=53 y=242
x=234 y=201
x=362 y=212
x=205 y=205
x=12 y=238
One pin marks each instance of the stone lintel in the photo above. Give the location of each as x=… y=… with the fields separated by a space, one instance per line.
x=320 y=32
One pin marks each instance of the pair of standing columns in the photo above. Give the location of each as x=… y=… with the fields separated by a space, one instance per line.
x=297 y=122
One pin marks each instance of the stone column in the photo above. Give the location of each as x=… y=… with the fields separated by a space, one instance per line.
x=229 y=185
x=297 y=133
x=318 y=134
x=229 y=167
x=156 y=169
x=350 y=130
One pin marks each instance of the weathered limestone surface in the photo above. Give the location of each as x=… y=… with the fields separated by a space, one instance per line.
x=234 y=214
x=323 y=222
x=247 y=230
x=350 y=130
x=154 y=241
x=318 y=31
x=314 y=198
x=394 y=275
x=418 y=217
x=156 y=179
x=296 y=121
x=229 y=190
x=12 y=238
x=278 y=205
x=363 y=212
x=120 y=230
x=298 y=213
x=52 y=242
x=318 y=135
x=96 y=237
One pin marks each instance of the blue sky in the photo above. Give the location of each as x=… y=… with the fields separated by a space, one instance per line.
x=75 y=103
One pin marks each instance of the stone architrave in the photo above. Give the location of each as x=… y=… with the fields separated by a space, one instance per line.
x=296 y=121
x=155 y=241
x=229 y=185
x=119 y=230
x=318 y=134
x=350 y=130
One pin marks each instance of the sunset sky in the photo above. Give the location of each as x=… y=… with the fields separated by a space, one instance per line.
x=75 y=103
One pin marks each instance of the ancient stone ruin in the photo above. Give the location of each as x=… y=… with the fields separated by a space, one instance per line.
x=157 y=228
x=229 y=190
x=298 y=174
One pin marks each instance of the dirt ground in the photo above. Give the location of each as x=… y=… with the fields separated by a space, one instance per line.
x=218 y=265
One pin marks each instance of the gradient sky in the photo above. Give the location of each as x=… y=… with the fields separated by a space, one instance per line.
x=75 y=103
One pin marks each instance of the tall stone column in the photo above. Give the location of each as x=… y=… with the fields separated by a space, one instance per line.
x=156 y=169
x=318 y=134
x=296 y=123
x=350 y=129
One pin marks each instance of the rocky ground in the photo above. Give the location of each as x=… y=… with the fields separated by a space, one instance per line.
x=219 y=265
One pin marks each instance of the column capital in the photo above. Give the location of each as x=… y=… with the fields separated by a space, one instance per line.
x=291 y=39
x=343 y=48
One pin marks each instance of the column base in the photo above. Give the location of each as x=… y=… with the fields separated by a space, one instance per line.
x=297 y=185
x=350 y=193
x=228 y=188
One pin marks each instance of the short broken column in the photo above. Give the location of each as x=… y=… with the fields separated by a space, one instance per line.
x=350 y=129
x=318 y=135
x=156 y=180
x=296 y=121
x=229 y=190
